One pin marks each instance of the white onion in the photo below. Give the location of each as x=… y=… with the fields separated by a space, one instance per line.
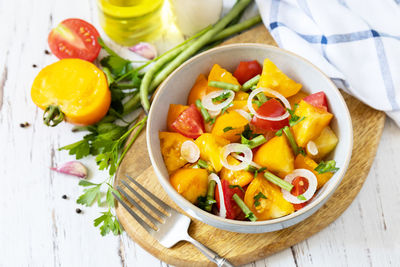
x=274 y=93
x=252 y=163
x=208 y=103
x=190 y=151
x=245 y=114
x=213 y=113
x=236 y=148
x=312 y=185
x=312 y=148
x=222 y=208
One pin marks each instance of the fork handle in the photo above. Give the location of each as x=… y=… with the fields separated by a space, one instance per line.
x=211 y=255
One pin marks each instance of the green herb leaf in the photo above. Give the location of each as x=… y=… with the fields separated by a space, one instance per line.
x=329 y=166
x=203 y=202
x=108 y=223
x=80 y=149
x=222 y=97
x=294 y=119
x=225 y=109
x=257 y=198
x=90 y=195
x=301 y=197
x=229 y=128
x=279 y=132
x=116 y=65
x=248 y=133
x=236 y=186
x=86 y=183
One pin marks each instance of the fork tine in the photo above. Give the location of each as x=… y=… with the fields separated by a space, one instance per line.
x=147 y=227
x=134 y=203
x=144 y=201
x=151 y=195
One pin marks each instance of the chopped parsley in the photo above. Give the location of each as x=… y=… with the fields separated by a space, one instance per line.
x=236 y=186
x=257 y=198
x=328 y=166
x=294 y=119
x=301 y=197
x=229 y=128
x=221 y=97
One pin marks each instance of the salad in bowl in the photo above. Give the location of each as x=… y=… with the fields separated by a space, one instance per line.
x=248 y=146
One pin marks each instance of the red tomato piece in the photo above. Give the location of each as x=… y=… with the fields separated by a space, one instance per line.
x=189 y=123
x=317 y=100
x=233 y=211
x=247 y=70
x=271 y=108
x=300 y=185
x=74 y=38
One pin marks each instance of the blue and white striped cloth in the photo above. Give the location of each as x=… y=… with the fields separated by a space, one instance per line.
x=355 y=42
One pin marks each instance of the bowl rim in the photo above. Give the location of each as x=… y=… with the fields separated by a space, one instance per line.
x=181 y=201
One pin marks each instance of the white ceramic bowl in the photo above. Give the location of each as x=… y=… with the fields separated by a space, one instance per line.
x=175 y=90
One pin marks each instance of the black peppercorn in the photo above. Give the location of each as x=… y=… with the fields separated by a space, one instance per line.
x=64 y=196
x=78 y=210
x=47 y=52
x=34 y=65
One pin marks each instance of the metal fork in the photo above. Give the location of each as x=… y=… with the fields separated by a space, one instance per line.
x=171 y=228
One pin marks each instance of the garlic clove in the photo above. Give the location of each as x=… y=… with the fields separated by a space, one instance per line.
x=145 y=50
x=74 y=168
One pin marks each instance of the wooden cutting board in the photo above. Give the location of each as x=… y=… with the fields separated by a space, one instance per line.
x=245 y=248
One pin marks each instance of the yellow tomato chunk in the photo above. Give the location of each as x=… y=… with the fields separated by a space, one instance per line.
x=210 y=146
x=315 y=120
x=275 y=79
x=241 y=177
x=190 y=183
x=199 y=89
x=173 y=113
x=276 y=155
x=221 y=75
x=271 y=207
x=229 y=126
x=295 y=99
x=170 y=144
x=306 y=162
x=325 y=143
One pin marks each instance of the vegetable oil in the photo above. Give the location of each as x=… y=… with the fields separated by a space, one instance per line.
x=128 y=22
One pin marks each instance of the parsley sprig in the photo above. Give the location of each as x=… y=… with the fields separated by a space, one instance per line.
x=108 y=142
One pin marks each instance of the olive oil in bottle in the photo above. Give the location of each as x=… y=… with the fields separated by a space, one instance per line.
x=128 y=22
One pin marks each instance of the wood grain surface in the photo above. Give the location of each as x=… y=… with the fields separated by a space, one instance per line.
x=244 y=248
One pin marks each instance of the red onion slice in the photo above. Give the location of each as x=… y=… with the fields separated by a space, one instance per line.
x=190 y=151
x=208 y=103
x=236 y=148
x=222 y=207
x=312 y=185
x=274 y=93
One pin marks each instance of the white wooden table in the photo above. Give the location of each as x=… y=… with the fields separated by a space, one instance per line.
x=39 y=228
